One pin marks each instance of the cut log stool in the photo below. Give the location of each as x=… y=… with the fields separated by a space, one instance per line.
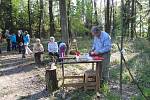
x=89 y=79
x=51 y=79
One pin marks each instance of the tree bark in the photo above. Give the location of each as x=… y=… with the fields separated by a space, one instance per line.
x=113 y=20
x=64 y=21
x=83 y=10
x=51 y=80
x=9 y=19
x=29 y=16
x=51 y=17
x=69 y=19
x=89 y=9
x=95 y=8
x=41 y=19
x=107 y=18
x=133 y=19
x=149 y=25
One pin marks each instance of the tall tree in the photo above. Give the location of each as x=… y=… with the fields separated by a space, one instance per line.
x=8 y=15
x=69 y=19
x=149 y=24
x=113 y=20
x=133 y=19
x=95 y=8
x=83 y=10
x=107 y=17
x=29 y=16
x=64 y=21
x=88 y=13
x=51 y=17
x=41 y=19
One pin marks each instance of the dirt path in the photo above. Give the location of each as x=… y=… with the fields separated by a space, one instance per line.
x=21 y=79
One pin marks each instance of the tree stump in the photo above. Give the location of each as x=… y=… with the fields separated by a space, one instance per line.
x=51 y=80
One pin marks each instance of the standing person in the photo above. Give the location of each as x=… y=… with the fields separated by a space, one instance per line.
x=7 y=35
x=53 y=47
x=38 y=50
x=1 y=37
x=20 y=42
x=26 y=39
x=102 y=46
x=13 y=41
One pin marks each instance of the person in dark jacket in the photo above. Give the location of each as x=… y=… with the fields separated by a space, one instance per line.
x=20 y=41
x=1 y=42
x=7 y=35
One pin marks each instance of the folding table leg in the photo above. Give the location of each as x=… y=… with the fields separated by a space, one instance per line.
x=97 y=76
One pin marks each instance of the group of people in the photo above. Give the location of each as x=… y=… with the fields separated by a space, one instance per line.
x=19 y=41
x=56 y=49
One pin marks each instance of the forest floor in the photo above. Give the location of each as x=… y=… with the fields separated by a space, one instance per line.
x=22 y=79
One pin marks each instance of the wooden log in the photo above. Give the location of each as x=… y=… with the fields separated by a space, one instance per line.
x=73 y=77
x=76 y=85
x=51 y=80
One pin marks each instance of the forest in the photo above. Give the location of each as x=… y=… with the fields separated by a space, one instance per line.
x=45 y=18
x=126 y=21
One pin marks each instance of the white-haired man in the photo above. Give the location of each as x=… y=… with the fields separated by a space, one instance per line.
x=102 y=46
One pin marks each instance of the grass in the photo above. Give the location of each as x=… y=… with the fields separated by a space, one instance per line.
x=81 y=95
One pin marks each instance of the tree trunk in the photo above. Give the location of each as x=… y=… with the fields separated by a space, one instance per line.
x=69 y=19
x=110 y=20
x=29 y=15
x=149 y=25
x=83 y=10
x=64 y=21
x=133 y=19
x=113 y=20
x=89 y=9
x=95 y=8
x=41 y=19
x=107 y=20
x=51 y=80
x=8 y=21
x=51 y=17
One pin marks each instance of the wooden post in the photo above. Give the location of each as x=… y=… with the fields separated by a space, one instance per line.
x=98 y=65
x=51 y=79
x=122 y=39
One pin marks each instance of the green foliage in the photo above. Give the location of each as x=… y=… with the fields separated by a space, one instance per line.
x=78 y=26
x=105 y=89
x=137 y=98
x=126 y=77
x=113 y=96
x=80 y=95
x=142 y=44
x=77 y=18
x=84 y=44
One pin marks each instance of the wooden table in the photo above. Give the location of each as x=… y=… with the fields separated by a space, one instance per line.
x=98 y=68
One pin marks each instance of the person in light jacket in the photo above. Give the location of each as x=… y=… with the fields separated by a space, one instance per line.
x=53 y=47
x=26 y=39
x=38 y=50
x=102 y=47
